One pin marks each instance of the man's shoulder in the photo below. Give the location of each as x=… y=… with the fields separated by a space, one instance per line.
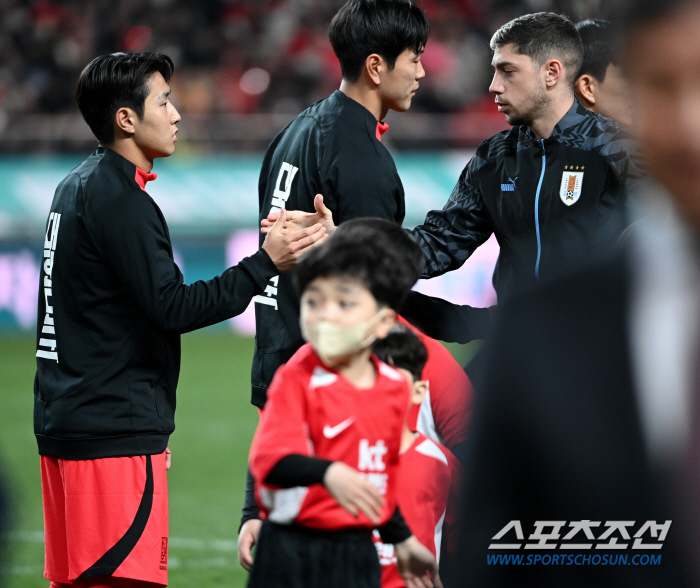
x=593 y=132
x=105 y=173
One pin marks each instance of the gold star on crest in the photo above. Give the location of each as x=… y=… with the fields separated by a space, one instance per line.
x=577 y=167
x=583 y=167
x=566 y=167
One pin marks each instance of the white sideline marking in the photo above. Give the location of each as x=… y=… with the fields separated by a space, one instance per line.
x=178 y=543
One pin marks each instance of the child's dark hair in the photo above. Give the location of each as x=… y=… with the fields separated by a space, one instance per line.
x=115 y=81
x=403 y=349
x=377 y=252
x=384 y=27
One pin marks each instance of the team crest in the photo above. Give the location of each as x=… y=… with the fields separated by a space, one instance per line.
x=571 y=183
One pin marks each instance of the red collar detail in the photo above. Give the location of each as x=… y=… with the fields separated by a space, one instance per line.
x=382 y=128
x=142 y=178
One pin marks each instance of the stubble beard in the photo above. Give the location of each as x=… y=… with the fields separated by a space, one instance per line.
x=534 y=109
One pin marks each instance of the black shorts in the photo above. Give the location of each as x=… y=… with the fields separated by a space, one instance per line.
x=292 y=556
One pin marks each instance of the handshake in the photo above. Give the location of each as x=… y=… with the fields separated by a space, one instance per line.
x=291 y=233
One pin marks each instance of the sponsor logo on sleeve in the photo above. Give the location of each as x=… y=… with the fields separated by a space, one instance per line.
x=47 y=344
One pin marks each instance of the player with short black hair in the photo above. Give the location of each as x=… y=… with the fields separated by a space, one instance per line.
x=386 y=27
x=115 y=81
x=325 y=454
x=601 y=85
x=112 y=306
x=335 y=148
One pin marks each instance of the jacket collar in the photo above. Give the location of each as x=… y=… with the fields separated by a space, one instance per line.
x=573 y=117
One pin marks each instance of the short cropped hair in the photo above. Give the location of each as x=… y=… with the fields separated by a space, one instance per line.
x=385 y=27
x=115 y=81
x=542 y=36
x=402 y=349
x=377 y=252
x=599 y=49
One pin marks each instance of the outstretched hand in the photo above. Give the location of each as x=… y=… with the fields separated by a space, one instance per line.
x=298 y=220
x=353 y=492
x=285 y=247
x=416 y=564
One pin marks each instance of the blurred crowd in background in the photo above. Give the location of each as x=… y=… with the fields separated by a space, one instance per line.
x=232 y=56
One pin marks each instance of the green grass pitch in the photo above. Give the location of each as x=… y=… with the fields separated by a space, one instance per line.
x=215 y=423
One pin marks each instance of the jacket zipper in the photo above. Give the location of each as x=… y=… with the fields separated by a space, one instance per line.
x=537 y=213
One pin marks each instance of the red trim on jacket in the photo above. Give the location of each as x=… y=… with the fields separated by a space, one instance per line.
x=382 y=128
x=142 y=178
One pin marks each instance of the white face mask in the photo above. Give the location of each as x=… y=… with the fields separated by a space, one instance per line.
x=331 y=340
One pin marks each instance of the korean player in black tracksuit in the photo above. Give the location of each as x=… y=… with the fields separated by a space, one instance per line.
x=332 y=148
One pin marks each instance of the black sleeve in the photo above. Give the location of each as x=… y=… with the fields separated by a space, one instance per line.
x=297 y=470
x=395 y=530
x=250 y=508
x=449 y=236
x=131 y=234
x=445 y=321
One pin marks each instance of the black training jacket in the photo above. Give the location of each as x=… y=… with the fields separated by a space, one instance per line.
x=112 y=305
x=332 y=148
x=551 y=203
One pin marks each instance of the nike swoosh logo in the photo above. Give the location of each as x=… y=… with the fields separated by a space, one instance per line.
x=330 y=432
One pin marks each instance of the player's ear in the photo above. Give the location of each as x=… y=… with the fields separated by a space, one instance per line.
x=420 y=389
x=585 y=90
x=124 y=120
x=554 y=72
x=375 y=66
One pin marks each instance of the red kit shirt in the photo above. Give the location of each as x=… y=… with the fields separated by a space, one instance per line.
x=312 y=410
x=444 y=413
x=427 y=490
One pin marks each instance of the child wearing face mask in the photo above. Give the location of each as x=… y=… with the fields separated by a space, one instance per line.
x=325 y=454
x=428 y=475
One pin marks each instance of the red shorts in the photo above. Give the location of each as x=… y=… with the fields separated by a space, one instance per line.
x=106 y=517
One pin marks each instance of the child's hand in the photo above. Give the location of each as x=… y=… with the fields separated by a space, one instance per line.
x=415 y=563
x=353 y=492
x=247 y=539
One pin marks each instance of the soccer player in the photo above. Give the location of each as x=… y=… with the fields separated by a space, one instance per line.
x=335 y=147
x=552 y=188
x=325 y=455
x=601 y=85
x=428 y=475
x=112 y=306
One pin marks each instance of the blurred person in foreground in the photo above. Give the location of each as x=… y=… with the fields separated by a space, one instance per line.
x=112 y=306
x=601 y=85
x=335 y=147
x=590 y=411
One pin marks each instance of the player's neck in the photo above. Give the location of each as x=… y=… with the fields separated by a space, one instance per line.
x=128 y=149
x=407 y=439
x=358 y=369
x=544 y=125
x=365 y=95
